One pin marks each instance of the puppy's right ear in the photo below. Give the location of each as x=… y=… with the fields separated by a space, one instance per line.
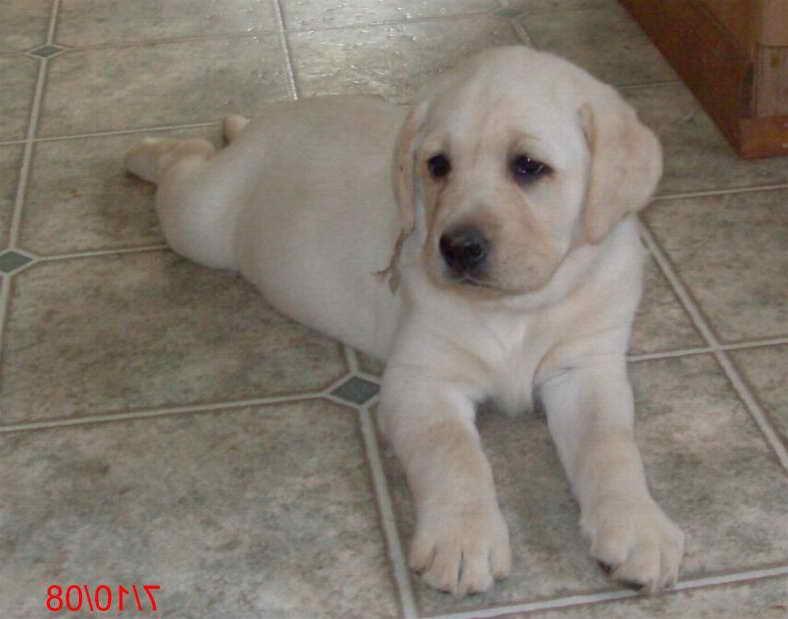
x=404 y=177
x=626 y=162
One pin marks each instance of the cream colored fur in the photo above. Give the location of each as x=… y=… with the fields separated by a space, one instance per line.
x=302 y=204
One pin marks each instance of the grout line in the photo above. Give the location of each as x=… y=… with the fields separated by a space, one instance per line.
x=285 y=44
x=388 y=23
x=339 y=401
x=5 y=302
x=173 y=40
x=610 y=596
x=157 y=412
x=756 y=343
x=27 y=156
x=684 y=352
x=572 y=600
x=103 y=252
x=53 y=19
x=732 y=578
x=756 y=412
x=701 y=350
x=351 y=359
x=718 y=192
x=12 y=142
x=97 y=134
x=390 y=532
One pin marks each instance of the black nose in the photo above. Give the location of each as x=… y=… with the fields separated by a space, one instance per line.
x=464 y=249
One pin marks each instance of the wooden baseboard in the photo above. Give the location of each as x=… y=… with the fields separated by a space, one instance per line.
x=763 y=137
x=719 y=69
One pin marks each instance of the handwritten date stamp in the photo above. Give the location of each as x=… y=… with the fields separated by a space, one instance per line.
x=102 y=598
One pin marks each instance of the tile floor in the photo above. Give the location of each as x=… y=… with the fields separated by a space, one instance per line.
x=160 y=425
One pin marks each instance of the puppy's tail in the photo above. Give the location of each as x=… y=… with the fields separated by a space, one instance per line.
x=232 y=126
x=151 y=158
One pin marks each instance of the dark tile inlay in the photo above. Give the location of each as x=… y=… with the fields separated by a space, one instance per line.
x=45 y=51
x=11 y=261
x=356 y=390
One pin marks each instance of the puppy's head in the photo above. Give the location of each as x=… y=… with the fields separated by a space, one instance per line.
x=511 y=161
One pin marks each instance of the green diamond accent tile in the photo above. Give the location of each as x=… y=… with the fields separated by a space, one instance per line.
x=356 y=390
x=11 y=261
x=45 y=51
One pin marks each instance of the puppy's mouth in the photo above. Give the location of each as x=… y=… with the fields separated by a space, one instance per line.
x=484 y=286
x=467 y=280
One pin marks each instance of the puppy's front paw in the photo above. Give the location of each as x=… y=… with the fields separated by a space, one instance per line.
x=636 y=541
x=461 y=552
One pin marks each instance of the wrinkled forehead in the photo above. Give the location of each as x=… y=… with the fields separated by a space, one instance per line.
x=499 y=113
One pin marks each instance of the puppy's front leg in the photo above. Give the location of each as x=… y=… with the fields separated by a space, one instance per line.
x=461 y=541
x=590 y=414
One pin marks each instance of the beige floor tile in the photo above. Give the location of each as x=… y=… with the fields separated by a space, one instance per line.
x=18 y=75
x=24 y=25
x=766 y=370
x=606 y=42
x=707 y=465
x=392 y=61
x=730 y=252
x=316 y=14
x=661 y=324
x=251 y=513
x=696 y=155
x=166 y=84
x=81 y=198
x=10 y=164
x=106 y=334
x=102 y=22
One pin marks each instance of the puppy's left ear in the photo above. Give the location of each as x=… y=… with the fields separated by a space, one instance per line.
x=626 y=163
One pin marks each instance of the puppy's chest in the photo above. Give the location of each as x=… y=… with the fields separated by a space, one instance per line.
x=512 y=380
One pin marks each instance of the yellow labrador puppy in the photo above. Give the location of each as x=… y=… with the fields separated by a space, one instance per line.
x=504 y=264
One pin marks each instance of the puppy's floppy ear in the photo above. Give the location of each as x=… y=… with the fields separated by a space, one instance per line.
x=626 y=163
x=404 y=177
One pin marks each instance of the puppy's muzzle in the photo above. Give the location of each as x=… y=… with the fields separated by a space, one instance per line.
x=464 y=250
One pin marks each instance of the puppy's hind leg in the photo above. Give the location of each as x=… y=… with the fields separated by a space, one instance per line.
x=194 y=214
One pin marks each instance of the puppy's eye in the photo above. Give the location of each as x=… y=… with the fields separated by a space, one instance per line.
x=439 y=165
x=526 y=169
